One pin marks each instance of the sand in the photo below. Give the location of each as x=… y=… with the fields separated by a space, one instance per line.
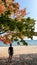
x=18 y=50
x=23 y=55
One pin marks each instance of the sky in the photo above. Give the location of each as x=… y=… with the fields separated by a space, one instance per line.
x=31 y=8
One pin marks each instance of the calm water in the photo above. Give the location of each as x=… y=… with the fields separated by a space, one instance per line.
x=30 y=42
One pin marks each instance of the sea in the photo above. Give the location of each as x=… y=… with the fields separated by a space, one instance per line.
x=30 y=43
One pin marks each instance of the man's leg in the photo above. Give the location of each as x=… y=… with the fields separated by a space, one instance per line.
x=10 y=58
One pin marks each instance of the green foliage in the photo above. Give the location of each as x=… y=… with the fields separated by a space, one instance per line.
x=23 y=41
x=28 y=28
x=19 y=25
x=18 y=43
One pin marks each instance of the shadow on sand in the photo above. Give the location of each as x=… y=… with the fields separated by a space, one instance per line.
x=23 y=59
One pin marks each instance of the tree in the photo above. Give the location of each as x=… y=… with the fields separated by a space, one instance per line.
x=17 y=26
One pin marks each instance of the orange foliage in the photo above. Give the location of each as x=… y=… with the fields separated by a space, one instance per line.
x=2 y=8
x=13 y=8
x=6 y=1
x=23 y=12
x=5 y=39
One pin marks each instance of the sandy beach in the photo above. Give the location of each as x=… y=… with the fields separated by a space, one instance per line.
x=18 y=50
x=23 y=55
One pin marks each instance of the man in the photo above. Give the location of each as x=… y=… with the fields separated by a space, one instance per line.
x=10 y=50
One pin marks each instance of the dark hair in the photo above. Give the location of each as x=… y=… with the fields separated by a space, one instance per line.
x=10 y=45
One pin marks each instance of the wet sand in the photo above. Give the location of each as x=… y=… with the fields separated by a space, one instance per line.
x=22 y=59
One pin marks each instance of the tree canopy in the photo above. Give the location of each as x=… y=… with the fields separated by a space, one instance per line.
x=16 y=26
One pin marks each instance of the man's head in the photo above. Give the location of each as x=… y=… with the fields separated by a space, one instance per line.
x=10 y=45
